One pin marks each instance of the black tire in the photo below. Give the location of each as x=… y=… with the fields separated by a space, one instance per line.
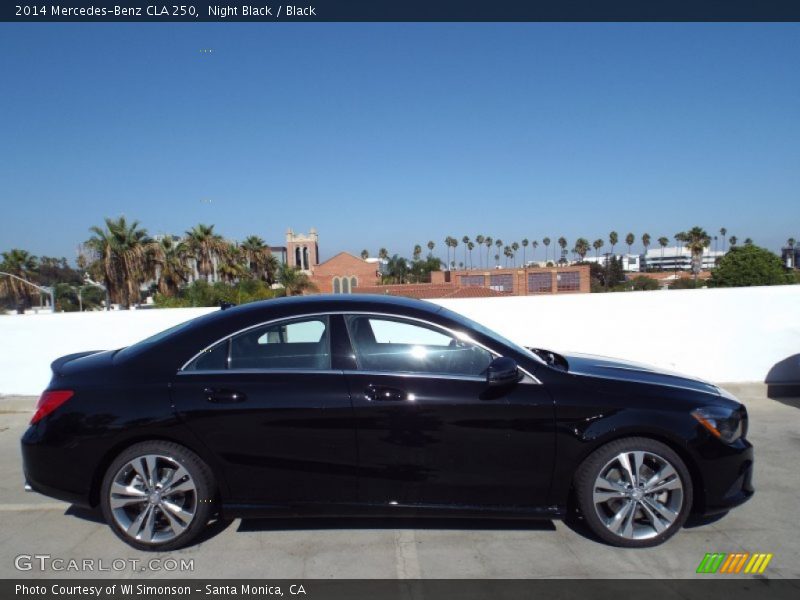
x=643 y=520
x=198 y=502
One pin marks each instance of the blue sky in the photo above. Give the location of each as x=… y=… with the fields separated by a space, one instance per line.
x=394 y=134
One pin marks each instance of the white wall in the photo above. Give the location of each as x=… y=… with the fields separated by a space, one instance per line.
x=732 y=335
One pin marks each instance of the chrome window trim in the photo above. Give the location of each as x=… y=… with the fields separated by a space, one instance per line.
x=453 y=332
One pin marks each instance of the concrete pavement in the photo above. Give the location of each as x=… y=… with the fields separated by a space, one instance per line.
x=370 y=548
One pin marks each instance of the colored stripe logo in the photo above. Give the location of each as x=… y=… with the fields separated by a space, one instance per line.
x=734 y=563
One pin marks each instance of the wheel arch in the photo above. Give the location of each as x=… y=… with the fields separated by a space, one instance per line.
x=118 y=448
x=673 y=443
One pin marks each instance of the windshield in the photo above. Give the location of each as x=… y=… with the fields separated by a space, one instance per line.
x=488 y=333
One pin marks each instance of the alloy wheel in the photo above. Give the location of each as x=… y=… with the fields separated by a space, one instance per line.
x=153 y=498
x=638 y=495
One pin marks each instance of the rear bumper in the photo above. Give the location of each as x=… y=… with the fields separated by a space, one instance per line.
x=51 y=470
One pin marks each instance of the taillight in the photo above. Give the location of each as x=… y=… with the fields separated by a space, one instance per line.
x=49 y=401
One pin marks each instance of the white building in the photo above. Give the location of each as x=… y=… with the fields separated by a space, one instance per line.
x=679 y=258
x=631 y=263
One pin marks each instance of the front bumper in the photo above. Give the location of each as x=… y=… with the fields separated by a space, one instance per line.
x=727 y=476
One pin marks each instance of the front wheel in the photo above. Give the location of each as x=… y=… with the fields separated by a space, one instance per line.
x=634 y=492
x=157 y=496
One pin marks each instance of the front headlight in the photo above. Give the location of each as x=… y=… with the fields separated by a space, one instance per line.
x=723 y=423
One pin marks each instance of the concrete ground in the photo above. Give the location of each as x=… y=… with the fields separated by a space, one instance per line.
x=35 y=525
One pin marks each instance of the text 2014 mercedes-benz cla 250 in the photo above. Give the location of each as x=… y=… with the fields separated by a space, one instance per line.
x=371 y=405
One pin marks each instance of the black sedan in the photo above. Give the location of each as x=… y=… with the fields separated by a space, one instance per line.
x=371 y=405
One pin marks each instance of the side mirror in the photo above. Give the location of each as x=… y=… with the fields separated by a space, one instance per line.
x=502 y=371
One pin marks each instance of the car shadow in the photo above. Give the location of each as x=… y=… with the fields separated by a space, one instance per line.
x=400 y=522
x=783 y=381
x=95 y=515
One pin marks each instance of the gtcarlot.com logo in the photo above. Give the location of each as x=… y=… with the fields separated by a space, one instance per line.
x=734 y=563
x=47 y=562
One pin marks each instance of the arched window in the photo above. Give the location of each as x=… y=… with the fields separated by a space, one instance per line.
x=353 y=284
x=336 y=286
x=297 y=258
x=345 y=285
x=305 y=258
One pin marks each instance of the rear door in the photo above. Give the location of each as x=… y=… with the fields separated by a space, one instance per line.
x=278 y=418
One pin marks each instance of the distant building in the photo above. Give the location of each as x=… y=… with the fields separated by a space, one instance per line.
x=302 y=250
x=790 y=256
x=631 y=263
x=678 y=258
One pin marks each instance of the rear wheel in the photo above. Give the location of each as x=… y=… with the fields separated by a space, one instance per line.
x=157 y=496
x=634 y=492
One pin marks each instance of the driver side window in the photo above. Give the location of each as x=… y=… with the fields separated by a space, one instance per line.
x=396 y=345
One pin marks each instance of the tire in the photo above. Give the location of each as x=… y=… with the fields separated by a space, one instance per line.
x=629 y=516
x=164 y=512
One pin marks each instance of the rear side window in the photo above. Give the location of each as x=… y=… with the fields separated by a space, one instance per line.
x=295 y=344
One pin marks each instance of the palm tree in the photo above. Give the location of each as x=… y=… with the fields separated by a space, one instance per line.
x=479 y=239
x=364 y=254
x=582 y=247
x=294 y=281
x=417 y=251
x=629 y=239
x=471 y=247
x=562 y=241
x=172 y=271
x=431 y=246
x=514 y=250
x=534 y=246
x=497 y=260
x=125 y=258
x=454 y=245
x=499 y=244
x=447 y=244
x=205 y=247
x=232 y=264
x=723 y=232
x=613 y=238
x=646 y=242
x=748 y=241
x=507 y=253
x=465 y=241
x=256 y=256
x=23 y=265
x=733 y=239
x=488 y=241
x=697 y=240
x=525 y=243
x=597 y=244
x=546 y=242
x=663 y=241
x=383 y=254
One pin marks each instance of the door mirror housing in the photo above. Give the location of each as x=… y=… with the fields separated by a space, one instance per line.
x=503 y=371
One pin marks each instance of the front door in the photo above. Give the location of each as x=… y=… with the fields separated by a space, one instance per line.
x=430 y=430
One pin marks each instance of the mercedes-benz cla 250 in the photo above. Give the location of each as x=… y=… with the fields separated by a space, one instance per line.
x=370 y=405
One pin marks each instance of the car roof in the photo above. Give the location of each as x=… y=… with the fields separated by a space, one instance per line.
x=325 y=302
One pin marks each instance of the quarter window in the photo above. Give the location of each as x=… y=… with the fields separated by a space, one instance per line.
x=296 y=344
x=396 y=345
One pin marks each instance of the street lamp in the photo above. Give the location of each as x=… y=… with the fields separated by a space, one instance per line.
x=88 y=281
x=44 y=289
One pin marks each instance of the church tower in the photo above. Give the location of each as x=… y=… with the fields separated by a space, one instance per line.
x=302 y=250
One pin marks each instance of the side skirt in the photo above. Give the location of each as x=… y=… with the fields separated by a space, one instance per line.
x=255 y=511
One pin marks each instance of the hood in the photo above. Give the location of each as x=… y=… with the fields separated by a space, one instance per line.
x=622 y=370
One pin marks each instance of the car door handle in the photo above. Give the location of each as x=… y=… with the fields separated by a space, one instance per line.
x=224 y=396
x=383 y=393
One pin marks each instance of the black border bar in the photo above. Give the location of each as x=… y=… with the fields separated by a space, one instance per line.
x=709 y=588
x=400 y=10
